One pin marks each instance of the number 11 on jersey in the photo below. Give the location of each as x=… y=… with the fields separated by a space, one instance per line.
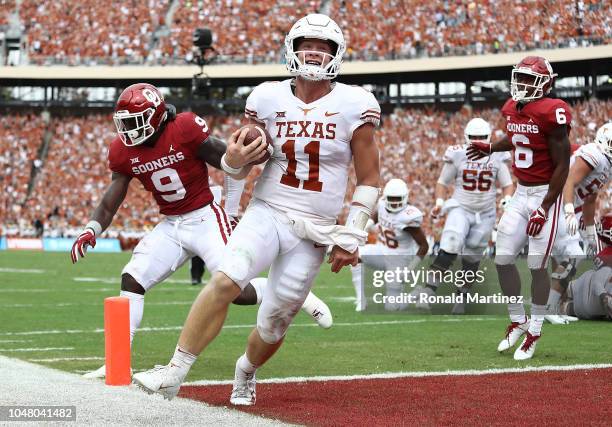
x=290 y=179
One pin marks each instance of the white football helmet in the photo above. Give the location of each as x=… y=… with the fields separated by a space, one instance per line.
x=395 y=195
x=477 y=129
x=603 y=139
x=315 y=26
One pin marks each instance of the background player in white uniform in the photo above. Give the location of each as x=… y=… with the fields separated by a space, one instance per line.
x=590 y=295
x=471 y=208
x=316 y=127
x=401 y=241
x=590 y=172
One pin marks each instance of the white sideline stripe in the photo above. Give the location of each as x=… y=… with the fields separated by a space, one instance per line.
x=295 y=325
x=392 y=375
x=71 y=304
x=22 y=270
x=23 y=383
x=37 y=349
x=4 y=341
x=62 y=359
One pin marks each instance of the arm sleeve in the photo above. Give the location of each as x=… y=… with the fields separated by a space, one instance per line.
x=590 y=157
x=252 y=110
x=503 y=175
x=368 y=111
x=413 y=218
x=448 y=174
x=551 y=117
x=233 y=193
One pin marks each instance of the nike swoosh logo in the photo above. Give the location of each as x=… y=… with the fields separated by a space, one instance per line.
x=328 y=114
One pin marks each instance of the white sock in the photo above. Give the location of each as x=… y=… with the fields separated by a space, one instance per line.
x=259 y=284
x=244 y=367
x=537 y=318
x=553 y=301
x=181 y=361
x=310 y=303
x=517 y=313
x=356 y=272
x=136 y=311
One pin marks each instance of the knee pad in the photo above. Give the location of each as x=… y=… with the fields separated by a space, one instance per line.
x=444 y=260
x=129 y=284
x=451 y=242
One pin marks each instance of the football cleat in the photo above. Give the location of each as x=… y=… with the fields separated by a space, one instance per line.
x=556 y=319
x=159 y=380
x=99 y=373
x=527 y=348
x=514 y=331
x=318 y=310
x=243 y=392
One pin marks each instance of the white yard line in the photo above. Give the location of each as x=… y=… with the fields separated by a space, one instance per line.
x=66 y=359
x=22 y=270
x=295 y=325
x=99 y=304
x=25 y=383
x=392 y=375
x=36 y=349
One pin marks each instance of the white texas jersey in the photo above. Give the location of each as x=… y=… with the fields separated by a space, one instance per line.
x=308 y=171
x=601 y=172
x=475 y=180
x=392 y=225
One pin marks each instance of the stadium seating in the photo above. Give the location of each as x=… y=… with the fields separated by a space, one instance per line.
x=89 y=32
x=411 y=141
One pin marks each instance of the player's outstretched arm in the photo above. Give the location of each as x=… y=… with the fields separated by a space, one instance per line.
x=419 y=237
x=447 y=176
x=579 y=170
x=477 y=150
x=211 y=151
x=102 y=215
x=367 y=171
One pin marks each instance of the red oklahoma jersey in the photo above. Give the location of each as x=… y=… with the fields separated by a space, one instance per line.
x=169 y=169
x=528 y=130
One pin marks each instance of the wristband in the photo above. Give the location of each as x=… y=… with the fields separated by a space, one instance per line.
x=568 y=208
x=439 y=202
x=95 y=227
x=227 y=168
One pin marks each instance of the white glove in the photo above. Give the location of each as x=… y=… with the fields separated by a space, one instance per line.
x=503 y=203
x=435 y=212
x=591 y=241
x=571 y=222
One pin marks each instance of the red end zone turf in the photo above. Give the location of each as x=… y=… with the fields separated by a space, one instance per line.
x=578 y=397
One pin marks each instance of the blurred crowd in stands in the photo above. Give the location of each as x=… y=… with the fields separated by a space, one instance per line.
x=90 y=32
x=69 y=182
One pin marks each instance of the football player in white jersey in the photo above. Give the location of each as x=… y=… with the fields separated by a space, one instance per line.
x=317 y=127
x=471 y=209
x=590 y=171
x=402 y=242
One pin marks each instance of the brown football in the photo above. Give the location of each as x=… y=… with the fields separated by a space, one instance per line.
x=255 y=131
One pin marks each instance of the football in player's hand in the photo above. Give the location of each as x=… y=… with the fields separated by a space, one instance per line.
x=255 y=131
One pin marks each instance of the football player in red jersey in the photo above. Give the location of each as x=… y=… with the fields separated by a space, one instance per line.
x=168 y=153
x=537 y=131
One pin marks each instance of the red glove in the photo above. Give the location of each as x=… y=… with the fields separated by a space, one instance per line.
x=536 y=221
x=79 y=248
x=477 y=150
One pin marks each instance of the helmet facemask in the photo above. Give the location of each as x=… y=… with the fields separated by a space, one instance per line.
x=134 y=128
x=527 y=85
x=396 y=203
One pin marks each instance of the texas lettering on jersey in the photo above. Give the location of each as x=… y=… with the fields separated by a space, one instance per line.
x=169 y=169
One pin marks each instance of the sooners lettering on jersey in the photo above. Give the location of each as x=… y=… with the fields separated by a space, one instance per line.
x=170 y=169
x=528 y=129
x=475 y=180
x=392 y=226
x=308 y=171
x=597 y=178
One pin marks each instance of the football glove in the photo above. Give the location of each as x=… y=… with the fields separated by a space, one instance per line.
x=571 y=221
x=536 y=222
x=477 y=150
x=592 y=243
x=79 y=247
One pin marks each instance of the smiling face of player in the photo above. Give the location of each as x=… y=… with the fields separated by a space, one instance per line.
x=314 y=52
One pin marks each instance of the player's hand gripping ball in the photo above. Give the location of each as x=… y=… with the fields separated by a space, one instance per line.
x=256 y=131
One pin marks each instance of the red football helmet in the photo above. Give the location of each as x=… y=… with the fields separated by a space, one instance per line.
x=139 y=113
x=532 y=78
x=604 y=229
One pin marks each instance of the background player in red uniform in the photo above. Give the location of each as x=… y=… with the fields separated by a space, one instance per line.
x=168 y=153
x=537 y=131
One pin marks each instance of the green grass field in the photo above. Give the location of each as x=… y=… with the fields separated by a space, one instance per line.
x=61 y=306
